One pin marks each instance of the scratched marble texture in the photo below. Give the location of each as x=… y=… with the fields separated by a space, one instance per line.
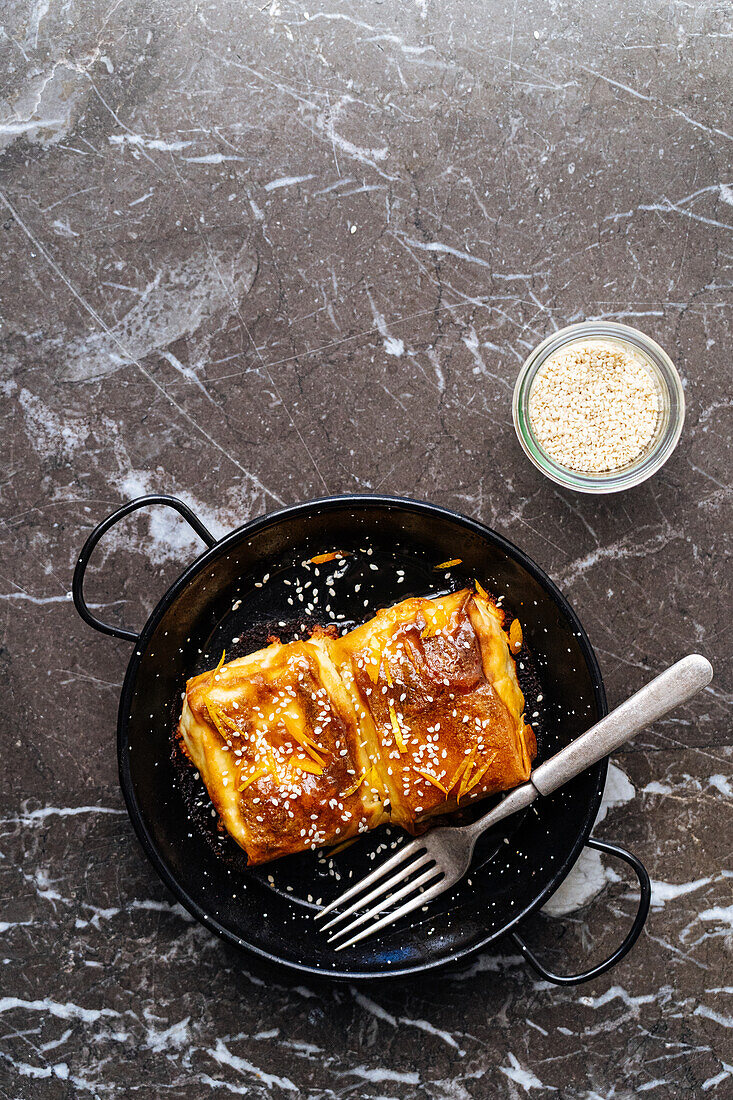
x=253 y=254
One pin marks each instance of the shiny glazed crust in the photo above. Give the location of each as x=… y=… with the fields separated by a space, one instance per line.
x=412 y=714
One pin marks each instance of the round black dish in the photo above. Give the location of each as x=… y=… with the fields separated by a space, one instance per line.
x=232 y=597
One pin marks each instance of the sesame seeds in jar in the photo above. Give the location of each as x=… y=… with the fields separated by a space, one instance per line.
x=594 y=406
x=598 y=407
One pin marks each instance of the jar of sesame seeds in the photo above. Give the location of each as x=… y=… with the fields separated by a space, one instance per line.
x=598 y=407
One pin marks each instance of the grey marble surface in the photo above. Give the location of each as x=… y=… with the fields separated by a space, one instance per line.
x=253 y=254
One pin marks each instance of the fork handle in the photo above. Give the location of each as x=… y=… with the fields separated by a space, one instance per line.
x=670 y=689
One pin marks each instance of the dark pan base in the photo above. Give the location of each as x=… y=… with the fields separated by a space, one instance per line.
x=269 y=909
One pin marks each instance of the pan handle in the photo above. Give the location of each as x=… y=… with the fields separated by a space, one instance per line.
x=631 y=937
x=77 y=587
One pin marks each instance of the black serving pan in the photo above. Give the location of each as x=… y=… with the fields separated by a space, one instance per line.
x=232 y=597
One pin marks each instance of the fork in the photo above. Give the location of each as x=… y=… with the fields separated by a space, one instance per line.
x=443 y=856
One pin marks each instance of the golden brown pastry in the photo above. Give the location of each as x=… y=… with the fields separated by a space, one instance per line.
x=408 y=716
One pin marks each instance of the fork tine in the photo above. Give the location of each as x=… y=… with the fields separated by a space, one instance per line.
x=381 y=887
x=408 y=888
x=400 y=856
x=408 y=907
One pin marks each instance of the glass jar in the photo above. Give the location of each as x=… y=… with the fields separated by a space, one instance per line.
x=671 y=414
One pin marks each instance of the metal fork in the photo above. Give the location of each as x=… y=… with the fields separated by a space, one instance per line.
x=435 y=862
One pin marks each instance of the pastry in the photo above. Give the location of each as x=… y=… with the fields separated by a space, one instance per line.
x=412 y=715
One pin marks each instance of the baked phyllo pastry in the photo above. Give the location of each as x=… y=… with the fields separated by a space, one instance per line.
x=416 y=713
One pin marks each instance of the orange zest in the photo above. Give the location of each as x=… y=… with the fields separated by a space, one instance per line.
x=431 y=779
x=311 y=747
x=321 y=559
x=214 y=715
x=309 y=766
x=223 y=718
x=466 y=774
x=315 y=756
x=216 y=719
x=464 y=764
x=481 y=590
x=343 y=846
x=257 y=774
x=397 y=730
x=374 y=660
x=449 y=564
x=478 y=775
x=515 y=636
x=435 y=620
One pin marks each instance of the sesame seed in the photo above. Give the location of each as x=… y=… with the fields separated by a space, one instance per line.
x=594 y=406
